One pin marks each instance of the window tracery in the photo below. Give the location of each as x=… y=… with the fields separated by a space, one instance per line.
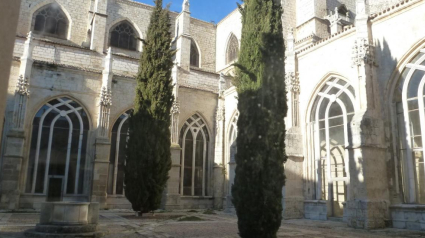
x=58 y=147
x=51 y=21
x=119 y=139
x=232 y=49
x=124 y=36
x=194 y=141
x=410 y=111
x=332 y=111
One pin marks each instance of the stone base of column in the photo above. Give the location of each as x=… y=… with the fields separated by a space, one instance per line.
x=218 y=186
x=293 y=208
x=230 y=208
x=11 y=170
x=171 y=199
x=100 y=172
x=366 y=214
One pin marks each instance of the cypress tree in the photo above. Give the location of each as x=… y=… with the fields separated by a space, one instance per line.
x=148 y=150
x=257 y=190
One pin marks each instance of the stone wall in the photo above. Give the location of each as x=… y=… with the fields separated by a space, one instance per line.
x=231 y=24
x=204 y=35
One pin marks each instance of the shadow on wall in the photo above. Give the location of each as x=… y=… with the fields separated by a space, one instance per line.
x=373 y=169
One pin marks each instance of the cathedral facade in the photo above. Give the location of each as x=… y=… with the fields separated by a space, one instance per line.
x=355 y=78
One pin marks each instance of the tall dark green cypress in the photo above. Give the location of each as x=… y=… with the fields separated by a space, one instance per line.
x=257 y=190
x=148 y=151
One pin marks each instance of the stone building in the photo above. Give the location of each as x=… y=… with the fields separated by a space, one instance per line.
x=355 y=87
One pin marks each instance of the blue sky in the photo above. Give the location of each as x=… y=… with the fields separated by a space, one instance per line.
x=207 y=10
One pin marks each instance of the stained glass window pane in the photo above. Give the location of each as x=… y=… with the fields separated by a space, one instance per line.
x=188 y=164
x=199 y=162
x=194 y=55
x=335 y=110
x=416 y=79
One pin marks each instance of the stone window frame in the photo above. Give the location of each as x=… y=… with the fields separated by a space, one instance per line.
x=194 y=45
x=124 y=119
x=331 y=91
x=62 y=10
x=63 y=101
x=406 y=103
x=232 y=42
x=137 y=35
x=196 y=124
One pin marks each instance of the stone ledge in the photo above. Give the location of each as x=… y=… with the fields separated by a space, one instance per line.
x=408 y=216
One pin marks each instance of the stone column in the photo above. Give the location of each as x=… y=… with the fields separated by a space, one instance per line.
x=219 y=161
x=15 y=139
x=368 y=194
x=103 y=144
x=172 y=193
x=98 y=25
x=293 y=199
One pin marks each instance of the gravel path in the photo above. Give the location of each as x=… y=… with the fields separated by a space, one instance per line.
x=123 y=224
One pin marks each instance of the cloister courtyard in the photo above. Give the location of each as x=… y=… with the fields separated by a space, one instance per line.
x=195 y=223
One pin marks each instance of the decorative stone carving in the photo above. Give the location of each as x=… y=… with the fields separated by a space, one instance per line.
x=22 y=86
x=221 y=85
x=175 y=108
x=105 y=97
x=186 y=6
x=175 y=112
x=220 y=113
x=362 y=53
x=105 y=109
x=292 y=82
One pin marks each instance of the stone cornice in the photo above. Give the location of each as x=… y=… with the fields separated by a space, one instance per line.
x=393 y=9
x=329 y=39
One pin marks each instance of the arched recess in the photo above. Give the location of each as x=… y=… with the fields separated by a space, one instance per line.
x=195 y=54
x=119 y=139
x=406 y=96
x=58 y=148
x=49 y=18
x=327 y=139
x=195 y=141
x=124 y=34
x=232 y=49
x=231 y=149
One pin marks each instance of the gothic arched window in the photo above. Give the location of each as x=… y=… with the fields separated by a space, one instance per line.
x=124 y=36
x=119 y=139
x=331 y=114
x=194 y=141
x=58 y=148
x=409 y=106
x=232 y=49
x=231 y=147
x=194 y=54
x=51 y=21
